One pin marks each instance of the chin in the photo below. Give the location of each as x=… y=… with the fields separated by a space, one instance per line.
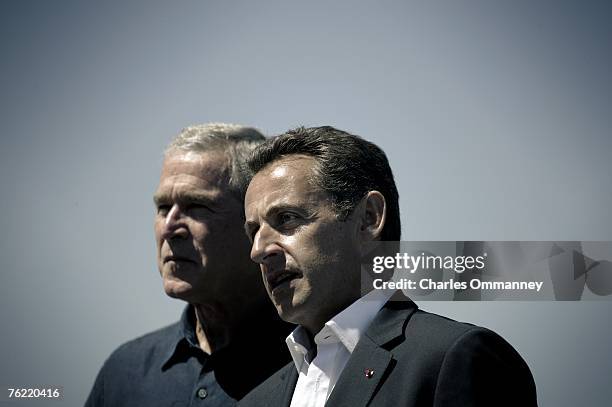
x=290 y=312
x=178 y=289
x=286 y=317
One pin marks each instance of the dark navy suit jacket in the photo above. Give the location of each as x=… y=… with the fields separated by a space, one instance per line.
x=408 y=357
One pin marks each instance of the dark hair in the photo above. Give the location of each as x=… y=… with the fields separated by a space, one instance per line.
x=348 y=168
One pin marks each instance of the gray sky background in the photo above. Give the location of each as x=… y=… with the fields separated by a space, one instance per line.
x=496 y=117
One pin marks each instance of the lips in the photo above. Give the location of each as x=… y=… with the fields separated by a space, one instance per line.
x=277 y=278
x=175 y=258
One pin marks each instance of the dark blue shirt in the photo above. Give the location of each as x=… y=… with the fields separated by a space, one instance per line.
x=168 y=368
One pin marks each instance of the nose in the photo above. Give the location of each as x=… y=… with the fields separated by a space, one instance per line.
x=174 y=225
x=265 y=247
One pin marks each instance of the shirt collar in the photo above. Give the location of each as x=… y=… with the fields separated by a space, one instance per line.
x=183 y=337
x=346 y=327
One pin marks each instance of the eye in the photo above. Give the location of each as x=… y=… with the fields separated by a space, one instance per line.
x=287 y=217
x=199 y=206
x=163 y=209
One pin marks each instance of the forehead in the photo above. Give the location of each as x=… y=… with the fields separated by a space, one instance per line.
x=194 y=170
x=285 y=181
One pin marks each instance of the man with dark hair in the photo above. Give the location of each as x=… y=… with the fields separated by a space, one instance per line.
x=317 y=200
x=348 y=167
x=229 y=338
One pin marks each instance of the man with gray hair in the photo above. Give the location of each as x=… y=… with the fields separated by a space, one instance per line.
x=229 y=338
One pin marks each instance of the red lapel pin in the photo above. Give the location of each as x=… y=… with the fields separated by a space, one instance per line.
x=368 y=373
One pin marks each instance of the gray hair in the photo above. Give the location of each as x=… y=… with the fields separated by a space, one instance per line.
x=234 y=140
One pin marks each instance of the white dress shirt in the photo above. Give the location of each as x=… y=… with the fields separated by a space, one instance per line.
x=333 y=346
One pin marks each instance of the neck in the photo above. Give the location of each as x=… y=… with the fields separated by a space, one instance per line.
x=211 y=331
x=315 y=324
x=216 y=325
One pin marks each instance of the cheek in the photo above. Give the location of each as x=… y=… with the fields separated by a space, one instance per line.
x=233 y=226
x=158 y=230
x=215 y=238
x=334 y=255
x=322 y=248
x=201 y=236
x=218 y=227
x=229 y=236
x=331 y=244
x=343 y=237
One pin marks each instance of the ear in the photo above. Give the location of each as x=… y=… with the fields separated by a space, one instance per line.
x=373 y=216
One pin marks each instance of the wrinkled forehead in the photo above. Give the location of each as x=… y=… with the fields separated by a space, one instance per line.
x=202 y=169
x=196 y=163
x=187 y=173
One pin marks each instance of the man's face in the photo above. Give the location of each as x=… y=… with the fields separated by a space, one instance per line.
x=202 y=252
x=309 y=259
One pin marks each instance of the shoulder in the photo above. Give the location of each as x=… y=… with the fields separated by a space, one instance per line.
x=467 y=362
x=143 y=350
x=127 y=364
x=445 y=328
x=442 y=335
x=271 y=390
x=401 y=325
x=434 y=337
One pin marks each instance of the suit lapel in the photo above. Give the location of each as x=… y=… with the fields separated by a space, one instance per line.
x=286 y=391
x=367 y=367
x=280 y=391
x=361 y=375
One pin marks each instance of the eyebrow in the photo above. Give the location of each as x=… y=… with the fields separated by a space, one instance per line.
x=251 y=225
x=188 y=196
